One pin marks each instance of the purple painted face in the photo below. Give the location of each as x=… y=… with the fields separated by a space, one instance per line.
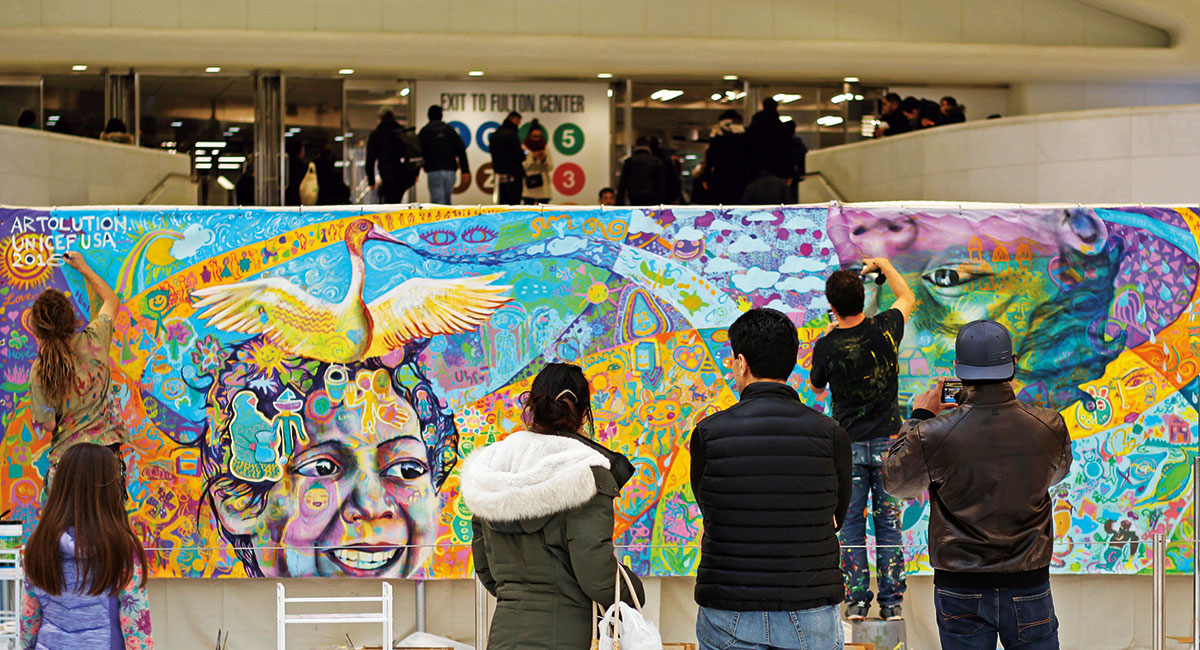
x=358 y=499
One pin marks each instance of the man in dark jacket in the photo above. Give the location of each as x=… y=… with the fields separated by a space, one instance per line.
x=951 y=112
x=772 y=479
x=508 y=160
x=769 y=142
x=893 y=120
x=726 y=163
x=444 y=153
x=988 y=463
x=643 y=180
x=386 y=147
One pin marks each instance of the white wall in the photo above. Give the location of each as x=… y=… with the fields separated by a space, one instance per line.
x=38 y=168
x=1035 y=98
x=1122 y=156
x=1095 y=612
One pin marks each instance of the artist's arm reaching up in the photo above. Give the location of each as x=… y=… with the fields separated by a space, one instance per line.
x=109 y=302
x=905 y=298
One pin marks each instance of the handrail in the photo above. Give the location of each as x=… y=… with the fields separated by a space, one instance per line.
x=154 y=191
x=828 y=185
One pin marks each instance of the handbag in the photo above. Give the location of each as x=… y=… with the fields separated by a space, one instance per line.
x=534 y=181
x=623 y=627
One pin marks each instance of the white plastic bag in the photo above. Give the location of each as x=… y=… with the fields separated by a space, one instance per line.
x=624 y=627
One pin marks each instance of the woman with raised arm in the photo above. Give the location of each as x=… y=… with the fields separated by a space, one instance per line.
x=70 y=390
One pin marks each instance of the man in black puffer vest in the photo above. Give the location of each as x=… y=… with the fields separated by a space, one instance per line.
x=772 y=478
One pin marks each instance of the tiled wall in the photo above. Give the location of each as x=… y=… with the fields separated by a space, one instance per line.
x=1030 y=22
x=1130 y=155
x=50 y=169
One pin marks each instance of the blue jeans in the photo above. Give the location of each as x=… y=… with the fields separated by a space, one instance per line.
x=441 y=185
x=867 y=478
x=819 y=628
x=971 y=619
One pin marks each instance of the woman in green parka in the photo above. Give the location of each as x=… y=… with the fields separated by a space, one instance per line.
x=543 y=519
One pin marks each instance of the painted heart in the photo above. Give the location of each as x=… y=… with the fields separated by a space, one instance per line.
x=689 y=356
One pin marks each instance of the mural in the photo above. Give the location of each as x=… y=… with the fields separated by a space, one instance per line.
x=303 y=385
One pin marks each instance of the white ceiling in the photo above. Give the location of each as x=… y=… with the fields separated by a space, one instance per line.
x=887 y=41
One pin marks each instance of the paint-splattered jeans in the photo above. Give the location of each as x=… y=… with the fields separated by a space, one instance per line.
x=885 y=511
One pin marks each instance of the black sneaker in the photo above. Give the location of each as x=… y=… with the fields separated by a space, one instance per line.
x=857 y=611
x=890 y=613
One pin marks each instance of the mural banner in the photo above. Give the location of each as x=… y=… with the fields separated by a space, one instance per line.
x=302 y=386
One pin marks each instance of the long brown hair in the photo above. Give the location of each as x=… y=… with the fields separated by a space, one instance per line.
x=53 y=321
x=87 y=495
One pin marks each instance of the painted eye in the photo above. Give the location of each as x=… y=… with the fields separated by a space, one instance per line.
x=478 y=235
x=407 y=470
x=318 y=468
x=439 y=237
x=947 y=277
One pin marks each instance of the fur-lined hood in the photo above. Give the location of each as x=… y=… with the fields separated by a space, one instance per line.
x=529 y=475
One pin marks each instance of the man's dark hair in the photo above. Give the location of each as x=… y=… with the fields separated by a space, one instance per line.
x=642 y=141
x=910 y=104
x=891 y=97
x=387 y=116
x=950 y=100
x=731 y=115
x=434 y=112
x=844 y=290
x=607 y=190
x=770 y=105
x=768 y=340
x=512 y=117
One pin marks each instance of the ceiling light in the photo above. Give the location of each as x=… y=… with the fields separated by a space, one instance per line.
x=785 y=118
x=785 y=98
x=231 y=159
x=604 y=75
x=740 y=94
x=475 y=73
x=210 y=144
x=234 y=129
x=228 y=166
x=665 y=95
x=225 y=183
x=203 y=165
x=288 y=134
x=203 y=159
x=850 y=80
x=838 y=99
x=404 y=92
x=610 y=92
x=339 y=138
x=716 y=97
x=858 y=98
x=346 y=71
x=730 y=77
x=348 y=134
x=79 y=68
x=212 y=68
x=177 y=123
x=829 y=120
x=52 y=118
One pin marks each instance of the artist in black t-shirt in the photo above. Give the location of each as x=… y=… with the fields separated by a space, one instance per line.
x=857 y=359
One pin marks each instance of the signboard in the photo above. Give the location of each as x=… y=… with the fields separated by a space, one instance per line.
x=576 y=117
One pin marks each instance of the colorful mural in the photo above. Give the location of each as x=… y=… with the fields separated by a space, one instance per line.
x=303 y=385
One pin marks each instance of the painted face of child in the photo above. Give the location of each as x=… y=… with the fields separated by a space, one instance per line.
x=357 y=499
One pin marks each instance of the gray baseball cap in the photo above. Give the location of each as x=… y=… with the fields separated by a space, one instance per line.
x=983 y=352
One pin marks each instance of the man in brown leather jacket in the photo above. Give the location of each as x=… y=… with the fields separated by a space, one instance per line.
x=988 y=463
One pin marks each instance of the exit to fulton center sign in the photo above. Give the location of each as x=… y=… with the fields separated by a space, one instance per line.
x=576 y=117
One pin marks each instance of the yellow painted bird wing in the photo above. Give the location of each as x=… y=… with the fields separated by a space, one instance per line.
x=424 y=307
x=289 y=315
